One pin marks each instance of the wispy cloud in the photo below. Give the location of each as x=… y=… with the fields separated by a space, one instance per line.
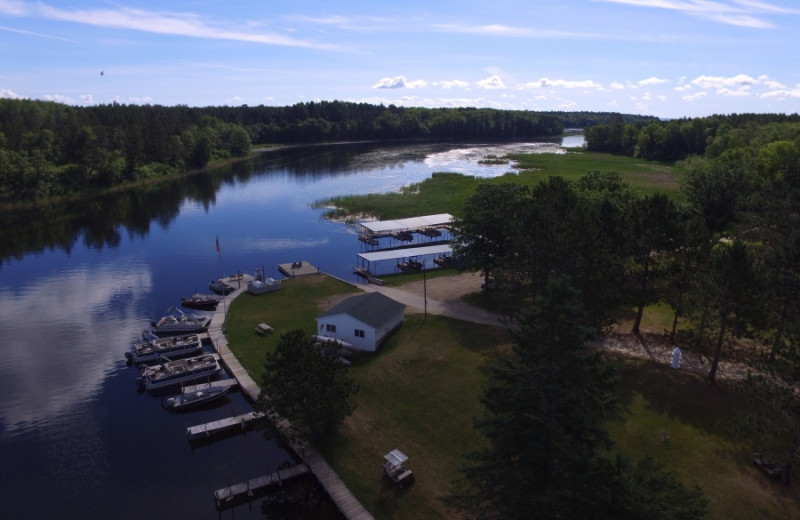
x=511 y=31
x=32 y=33
x=167 y=23
x=741 y=13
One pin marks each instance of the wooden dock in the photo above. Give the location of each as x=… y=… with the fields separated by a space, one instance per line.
x=293 y=269
x=228 y=496
x=205 y=386
x=210 y=429
x=364 y=272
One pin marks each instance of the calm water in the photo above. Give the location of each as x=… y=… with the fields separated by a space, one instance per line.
x=77 y=440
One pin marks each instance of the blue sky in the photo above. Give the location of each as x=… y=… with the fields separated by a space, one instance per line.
x=667 y=58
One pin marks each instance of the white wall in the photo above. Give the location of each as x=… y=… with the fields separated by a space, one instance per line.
x=346 y=326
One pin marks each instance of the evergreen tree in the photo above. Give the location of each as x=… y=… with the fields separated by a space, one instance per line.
x=307 y=385
x=544 y=411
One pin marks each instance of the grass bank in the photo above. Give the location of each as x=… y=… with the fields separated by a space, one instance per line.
x=447 y=192
x=419 y=393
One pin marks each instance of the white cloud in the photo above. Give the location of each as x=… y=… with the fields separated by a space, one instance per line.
x=770 y=83
x=741 y=91
x=399 y=82
x=491 y=83
x=396 y=82
x=694 y=97
x=447 y=85
x=783 y=93
x=720 y=82
x=58 y=98
x=652 y=81
x=546 y=82
x=617 y=86
x=8 y=94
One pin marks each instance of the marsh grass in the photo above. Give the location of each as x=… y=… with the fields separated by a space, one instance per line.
x=447 y=192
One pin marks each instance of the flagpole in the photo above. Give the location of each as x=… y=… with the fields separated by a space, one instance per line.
x=222 y=279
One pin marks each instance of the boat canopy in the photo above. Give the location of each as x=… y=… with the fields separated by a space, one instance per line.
x=393 y=254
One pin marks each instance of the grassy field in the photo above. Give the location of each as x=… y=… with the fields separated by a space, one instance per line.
x=419 y=393
x=447 y=192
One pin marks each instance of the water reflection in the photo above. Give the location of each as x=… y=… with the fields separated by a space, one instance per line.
x=62 y=336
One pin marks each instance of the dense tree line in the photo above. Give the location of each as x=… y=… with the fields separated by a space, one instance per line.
x=53 y=150
x=678 y=139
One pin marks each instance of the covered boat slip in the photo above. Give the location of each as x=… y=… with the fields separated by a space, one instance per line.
x=370 y=261
x=429 y=227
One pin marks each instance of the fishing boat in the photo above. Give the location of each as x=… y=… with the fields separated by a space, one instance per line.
x=179 y=371
x=194 y=398
x=150 y=347
x=203 y=302
x=177 y=322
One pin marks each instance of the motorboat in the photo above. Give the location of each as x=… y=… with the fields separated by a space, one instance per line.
x=203 y=302
x=177 y=322
x=179 y=371
x=220 y=287
x=151 y=347
x=194 y=398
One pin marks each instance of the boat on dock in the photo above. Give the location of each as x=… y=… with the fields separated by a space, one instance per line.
x=203 y=302
x=178 y=371
x=178 y=322
x=220 y=287
x=151 y=347
x=194 y=398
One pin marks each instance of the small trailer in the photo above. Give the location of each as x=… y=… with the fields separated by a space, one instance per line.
x=394 y=469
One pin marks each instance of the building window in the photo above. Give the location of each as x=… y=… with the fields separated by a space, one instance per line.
x=359 y=333
x=330 y=328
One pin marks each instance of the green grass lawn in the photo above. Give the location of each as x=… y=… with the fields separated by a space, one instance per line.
x=419 y=393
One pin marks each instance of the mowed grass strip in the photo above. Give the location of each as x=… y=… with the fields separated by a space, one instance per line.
x=419 y=393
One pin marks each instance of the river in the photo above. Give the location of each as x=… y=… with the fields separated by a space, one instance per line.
x=77 y=283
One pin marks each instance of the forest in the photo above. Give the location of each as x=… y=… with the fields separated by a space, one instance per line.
x=50 y=150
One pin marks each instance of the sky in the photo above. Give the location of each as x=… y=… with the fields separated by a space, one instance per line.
x=665 y=58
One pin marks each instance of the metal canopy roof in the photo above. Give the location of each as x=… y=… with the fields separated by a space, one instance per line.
x=395 y=457
x=377 y=256
x=406 y=224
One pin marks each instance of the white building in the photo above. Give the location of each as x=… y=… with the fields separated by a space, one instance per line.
x=363 y=321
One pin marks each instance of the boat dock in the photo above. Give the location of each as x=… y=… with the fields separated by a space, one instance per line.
x=245 y=490
x=213 y=428
x=301 y=268
x=364 y=273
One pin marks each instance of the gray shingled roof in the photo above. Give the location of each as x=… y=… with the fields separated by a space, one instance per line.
x=372 y=308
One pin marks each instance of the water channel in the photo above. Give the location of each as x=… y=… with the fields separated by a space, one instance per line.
x=77 y=283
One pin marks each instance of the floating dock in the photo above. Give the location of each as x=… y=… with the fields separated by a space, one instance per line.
x=205 y=386
x=302 y=268
x=245 y=490
x=207 y=430
x=364 y=272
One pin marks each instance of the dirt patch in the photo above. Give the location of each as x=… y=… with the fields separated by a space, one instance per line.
x=446 y=288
